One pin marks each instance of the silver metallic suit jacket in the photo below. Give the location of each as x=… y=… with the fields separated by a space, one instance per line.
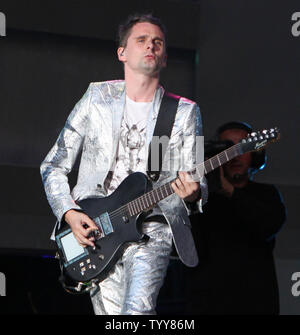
x=93 y=127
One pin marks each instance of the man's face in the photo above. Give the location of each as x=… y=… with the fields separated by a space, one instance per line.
x=145 y=51
x=240 y=164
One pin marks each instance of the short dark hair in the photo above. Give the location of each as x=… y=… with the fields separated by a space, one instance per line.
x=125 y=28
x=234 y=125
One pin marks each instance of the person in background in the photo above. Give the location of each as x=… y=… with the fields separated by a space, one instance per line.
x=235 y=238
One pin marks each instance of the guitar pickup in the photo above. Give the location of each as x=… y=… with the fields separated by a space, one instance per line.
x=104 y=223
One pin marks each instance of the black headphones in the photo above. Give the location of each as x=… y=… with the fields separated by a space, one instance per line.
x=259 y=158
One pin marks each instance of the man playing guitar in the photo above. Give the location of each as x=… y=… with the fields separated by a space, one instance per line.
x=113 y=124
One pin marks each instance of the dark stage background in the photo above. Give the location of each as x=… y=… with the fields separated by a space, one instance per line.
x=238 y=59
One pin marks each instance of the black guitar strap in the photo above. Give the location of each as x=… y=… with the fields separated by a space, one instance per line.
x=163 y=127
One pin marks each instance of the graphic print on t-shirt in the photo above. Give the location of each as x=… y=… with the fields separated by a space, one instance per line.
x=132 y=149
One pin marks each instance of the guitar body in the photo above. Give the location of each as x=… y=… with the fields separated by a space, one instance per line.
x=111 y=215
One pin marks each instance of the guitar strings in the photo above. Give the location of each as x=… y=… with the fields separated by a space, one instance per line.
x=224 y=155
x=145 y=198
x=142 y=201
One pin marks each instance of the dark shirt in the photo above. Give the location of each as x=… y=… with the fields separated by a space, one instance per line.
x=235 y=239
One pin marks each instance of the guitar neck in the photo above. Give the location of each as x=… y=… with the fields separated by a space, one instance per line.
x=150 y=199
x=219 y=159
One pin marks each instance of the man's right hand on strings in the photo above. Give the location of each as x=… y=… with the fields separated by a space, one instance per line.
x=77 y=220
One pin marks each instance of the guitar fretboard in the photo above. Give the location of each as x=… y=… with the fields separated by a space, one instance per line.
x=221 y=158
x=150 y=199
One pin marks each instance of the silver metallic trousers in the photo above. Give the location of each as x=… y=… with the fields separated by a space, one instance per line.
x=134 y=283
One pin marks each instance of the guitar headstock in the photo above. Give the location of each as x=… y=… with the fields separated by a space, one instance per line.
x=258 y=140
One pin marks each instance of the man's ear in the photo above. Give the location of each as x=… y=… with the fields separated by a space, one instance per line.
x=121 y=55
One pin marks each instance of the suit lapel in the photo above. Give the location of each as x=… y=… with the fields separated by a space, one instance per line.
x=117 y=116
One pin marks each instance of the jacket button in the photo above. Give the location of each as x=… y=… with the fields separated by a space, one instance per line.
x=99 y=185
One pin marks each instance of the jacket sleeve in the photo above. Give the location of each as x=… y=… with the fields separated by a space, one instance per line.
x=61 y=158
x=193 y=155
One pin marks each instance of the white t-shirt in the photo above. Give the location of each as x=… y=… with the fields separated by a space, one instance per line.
x=132 y=154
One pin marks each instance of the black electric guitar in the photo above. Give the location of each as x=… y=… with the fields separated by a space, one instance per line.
x=119 y=217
